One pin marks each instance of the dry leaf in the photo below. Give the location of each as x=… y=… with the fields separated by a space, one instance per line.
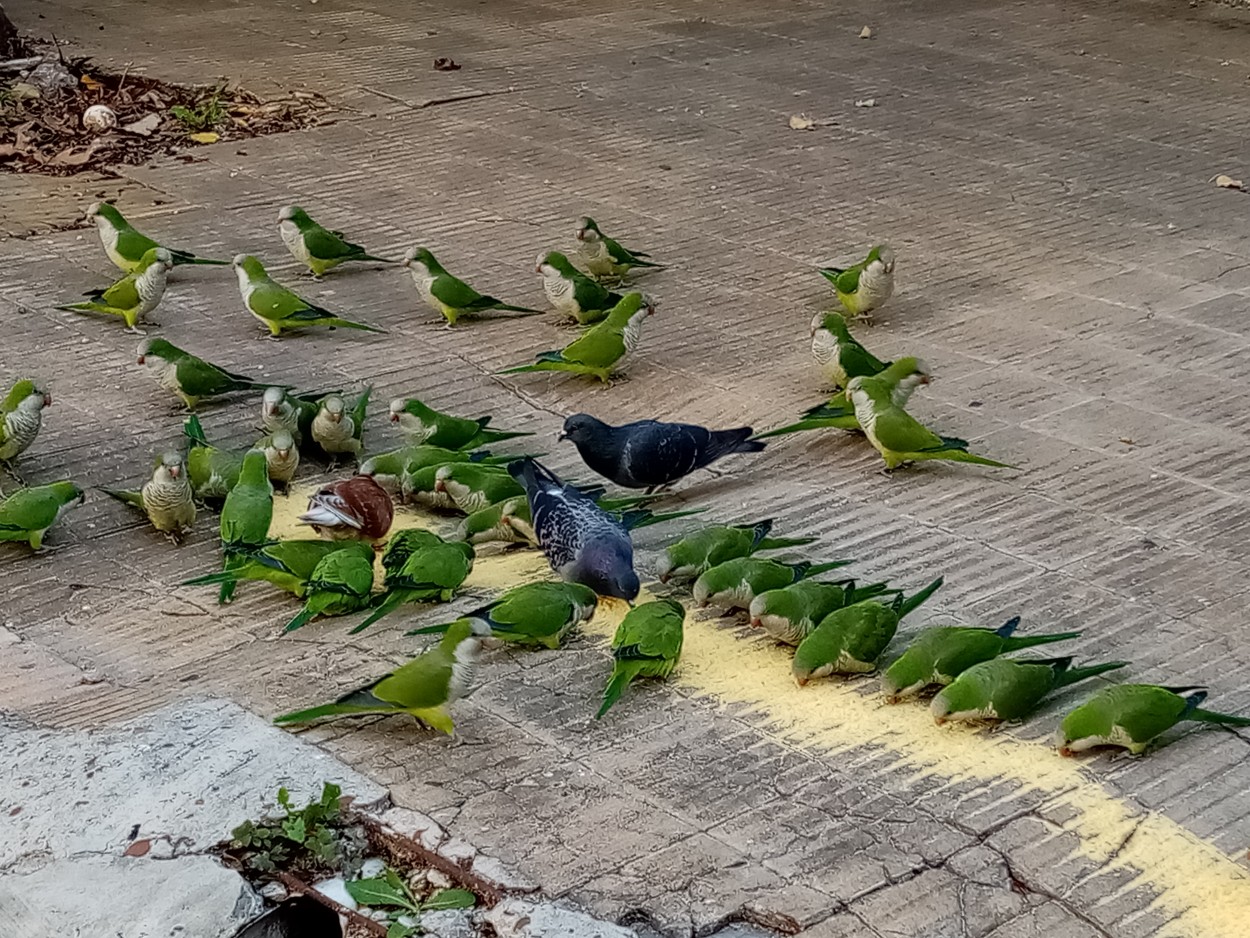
x=801 y=122
x=145 y=126
x=91 y=84
x=865 y=33
x=866 y=102
x=1227 y=182
x=206 y=137
x=8 y=151
x=74 y=156
x=139 y=848
x=445 y=64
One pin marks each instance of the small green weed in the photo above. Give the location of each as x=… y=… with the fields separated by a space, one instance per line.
x=206 y=114
x=390 y=892
x=303 y=834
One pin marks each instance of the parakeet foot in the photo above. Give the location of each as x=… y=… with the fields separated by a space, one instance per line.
x=135 y=330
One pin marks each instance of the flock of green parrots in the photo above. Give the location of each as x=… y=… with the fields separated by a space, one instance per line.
x=837 y=627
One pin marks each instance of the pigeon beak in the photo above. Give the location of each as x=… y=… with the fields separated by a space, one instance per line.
x=561 y=436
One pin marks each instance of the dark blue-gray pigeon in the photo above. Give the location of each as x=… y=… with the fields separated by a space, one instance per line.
x=649 y=454
x=582 y=542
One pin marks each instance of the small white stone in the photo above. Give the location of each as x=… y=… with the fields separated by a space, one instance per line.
x=98 y=118
x=372 y=868
x=438 y=879
x=336 y=890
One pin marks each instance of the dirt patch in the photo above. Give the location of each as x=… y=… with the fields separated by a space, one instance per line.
x=62 y=116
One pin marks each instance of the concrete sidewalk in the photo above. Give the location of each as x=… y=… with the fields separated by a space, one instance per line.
x=1075 y=282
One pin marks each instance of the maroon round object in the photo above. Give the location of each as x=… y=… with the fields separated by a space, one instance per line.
x=356 y=508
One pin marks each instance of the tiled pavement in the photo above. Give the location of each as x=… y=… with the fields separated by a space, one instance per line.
x=1078 y=287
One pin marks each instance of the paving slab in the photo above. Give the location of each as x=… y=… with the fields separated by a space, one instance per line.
x=1072 y=278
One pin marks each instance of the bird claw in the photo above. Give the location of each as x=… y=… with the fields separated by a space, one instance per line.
x=135 y=330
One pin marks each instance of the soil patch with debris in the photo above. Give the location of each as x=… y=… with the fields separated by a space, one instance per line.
x=62 y=116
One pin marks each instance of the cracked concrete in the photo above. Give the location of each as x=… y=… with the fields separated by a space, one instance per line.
x=1075 y=283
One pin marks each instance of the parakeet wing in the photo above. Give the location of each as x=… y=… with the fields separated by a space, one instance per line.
x=121 y=295
x=453 y=292
x=328 y=245
x=422 y=683
x=600 y=347
x=897 y=430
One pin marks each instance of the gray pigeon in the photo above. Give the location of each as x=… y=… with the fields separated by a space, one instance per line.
x=582 y=542
x=650 y=454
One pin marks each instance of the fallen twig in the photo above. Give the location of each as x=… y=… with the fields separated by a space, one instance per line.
x=431 y=102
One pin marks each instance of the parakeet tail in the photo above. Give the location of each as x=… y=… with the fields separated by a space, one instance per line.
x=392 y=602
x=641 y=517
x=326 y=710
x=621 y=676
x=1072 y=675
x=134 y=499
x=815 y=568
x=788 y=428
x=186 y=257
x=777 y=543
x=907 y=605
x=1210 y=716
x=547 y=364
x=860 y=593
x=430 y=629
x=301 y=619
x=335 y=321
x=1007 y=628
x=1028 y=641
x=194 y=431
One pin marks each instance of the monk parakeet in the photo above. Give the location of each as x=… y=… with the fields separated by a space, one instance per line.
x=287 y=564
x=901 y=377
x=339 y=428
x=898 y=436
x=424 y=687
x=419 y=486
x=450 y=296
x=27 y=514
x=21 y=416
x=510 y=521
x=166 y=498
x=940 y=654
x=647 y=644
x=713 y=545
x=601 y=347
x=790 y=614
x=851 y=639
x=280 y=409
x=315 y=247
x=126 y=247
x=245 y=517
x=604 y=258
x=571 y=292
x=837 y=353
x=350 y=509
x=340 y=584
x=472 y=487
x=735 y=583
x=191 y=378
x=534 y=614
x=135 y=295
x=277 y=308
x=866 y=285
x=423 y=424
x=212 y=471
x=387 y=469
x=1008 y=688
x=432 y=573
x=1133 y=715
x=582 y=542
x=281 y=455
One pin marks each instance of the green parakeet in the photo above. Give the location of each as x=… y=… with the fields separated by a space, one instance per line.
x=851 y=639
x=287 y=564
x=126 y=247
x=898 y=436
x=135 y=295
x=338 y=428
x=387 y=469
x=166 y=498
x=940 y=654
x=191 y=378
x=21 y=417
x=450 y=296
x=424 y=687
x=735 y=583
x=294 y=413
x=604 y=258
x=707 y=547
x=865 y=286
x=27 y=514
x=790 y=614
x=533 y=614
x=425 y=425
x=472 y=487
x=647 y=644
x=340 y=584
x=837 y=353
x=505 y=522
x=282 y=456
x=277 y=308
x=212 y=471
x=1007 y=688
x=432 y=573
x=902 y=377
x=571 y=292
x=601 y=347
x=418 y=486
x=1132 y=715
x=245 y=517
x=315 y=247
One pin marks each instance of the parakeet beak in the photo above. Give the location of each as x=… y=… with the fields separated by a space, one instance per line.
x=394 y=418
x=175 y=471
x=756 y=622
x=939 y=720
x=335 y=417
x=925 y=379
x=1066 y=752
x=665 y=577
x=141 y=359
x=440 y=486
x=47 y=399
x=892 y=698
x=801 y=680
x=581 y=234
